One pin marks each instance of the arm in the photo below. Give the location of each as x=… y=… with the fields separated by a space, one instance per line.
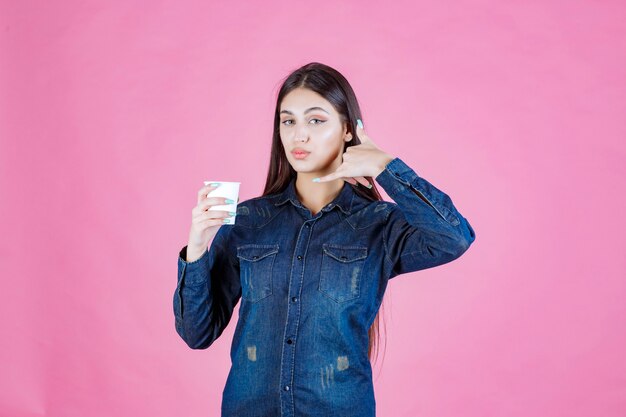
x=206 y=293
x=423 y=229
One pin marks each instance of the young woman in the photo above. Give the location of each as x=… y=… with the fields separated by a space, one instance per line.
x=310 y=258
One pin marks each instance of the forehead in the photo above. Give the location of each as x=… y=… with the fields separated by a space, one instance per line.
x=299 y=100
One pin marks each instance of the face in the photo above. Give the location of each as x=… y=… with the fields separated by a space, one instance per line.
x=308 y=121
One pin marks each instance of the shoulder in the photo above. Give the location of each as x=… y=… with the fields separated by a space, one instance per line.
x=367 y=213
x=256 y=212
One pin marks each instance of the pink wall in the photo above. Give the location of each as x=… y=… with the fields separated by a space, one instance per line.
x=113 y=113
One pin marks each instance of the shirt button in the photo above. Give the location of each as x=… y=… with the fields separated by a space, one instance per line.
x=307 y=225
x=286 y=387
x=299 y=257
x=289 y=341
x=294 y=299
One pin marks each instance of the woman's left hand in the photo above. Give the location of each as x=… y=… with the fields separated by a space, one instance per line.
x=359 y=161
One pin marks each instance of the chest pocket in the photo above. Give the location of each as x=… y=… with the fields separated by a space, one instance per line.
x=340 y=276
x=256 y=264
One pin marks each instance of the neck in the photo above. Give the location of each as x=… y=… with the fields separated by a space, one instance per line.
x=316 y=195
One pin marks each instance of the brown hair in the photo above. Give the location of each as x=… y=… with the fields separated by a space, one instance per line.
x=334 y=87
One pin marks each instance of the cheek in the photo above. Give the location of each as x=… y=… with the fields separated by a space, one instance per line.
x=329 y=136
x=328 y=151
x=331 y=143
x=284 y=137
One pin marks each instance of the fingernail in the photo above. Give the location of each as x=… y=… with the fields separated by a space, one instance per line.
x=229 y=201
x=360 y=123
x=214 y=184
x=369 y=185
x=226 y=221
x=316 y=179
x=232 y=213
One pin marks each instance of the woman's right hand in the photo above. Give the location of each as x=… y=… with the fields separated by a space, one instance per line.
x=205 y=222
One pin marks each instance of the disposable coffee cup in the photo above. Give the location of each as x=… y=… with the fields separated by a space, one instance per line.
x=227 y=189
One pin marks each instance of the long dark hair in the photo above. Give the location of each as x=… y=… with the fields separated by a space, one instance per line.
x=334 y=87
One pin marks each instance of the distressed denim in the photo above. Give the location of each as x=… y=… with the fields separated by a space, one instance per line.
x=310 y=287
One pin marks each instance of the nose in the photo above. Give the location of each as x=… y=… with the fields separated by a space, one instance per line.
x=302 y=134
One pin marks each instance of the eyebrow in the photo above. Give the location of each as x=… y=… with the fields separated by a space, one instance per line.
x=306 y=111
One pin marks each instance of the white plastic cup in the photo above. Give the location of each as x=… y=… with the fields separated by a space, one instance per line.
x=227 y=189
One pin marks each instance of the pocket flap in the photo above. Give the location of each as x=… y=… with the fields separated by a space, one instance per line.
x=345 y=253
x=254 y=252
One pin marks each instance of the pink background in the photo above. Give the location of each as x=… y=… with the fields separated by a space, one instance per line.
x=113 y=113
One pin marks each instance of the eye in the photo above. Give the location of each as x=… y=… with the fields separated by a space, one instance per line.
x=289 y=120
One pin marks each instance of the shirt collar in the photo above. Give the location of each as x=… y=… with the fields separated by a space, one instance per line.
x=343 y=200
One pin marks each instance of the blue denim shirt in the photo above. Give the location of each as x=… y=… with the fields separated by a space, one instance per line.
x=310 y=288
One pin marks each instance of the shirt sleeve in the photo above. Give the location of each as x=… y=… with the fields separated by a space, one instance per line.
x=206 y=292
x=423 y=229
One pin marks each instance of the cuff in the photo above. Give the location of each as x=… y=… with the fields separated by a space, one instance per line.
x=196 y=271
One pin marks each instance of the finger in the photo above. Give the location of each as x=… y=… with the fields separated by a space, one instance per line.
x=215 y=214
x=212 y=201
x=350 y=180
x=211 y=214
x=360 y=132
x=330 y=177
x=363 y=181
x=202 y=193
x=210 y=222
x=206 y=204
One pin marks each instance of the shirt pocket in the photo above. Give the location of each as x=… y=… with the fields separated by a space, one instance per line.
x=340 y=275
x=256 y=263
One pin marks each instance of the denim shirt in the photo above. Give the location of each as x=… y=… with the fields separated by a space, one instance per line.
x=310 y=288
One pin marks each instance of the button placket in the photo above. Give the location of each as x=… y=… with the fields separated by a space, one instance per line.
x=293 y=315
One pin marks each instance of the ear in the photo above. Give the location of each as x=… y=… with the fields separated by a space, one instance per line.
x=347 y=136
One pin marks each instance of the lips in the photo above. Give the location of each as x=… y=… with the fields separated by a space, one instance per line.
x=299 y=153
